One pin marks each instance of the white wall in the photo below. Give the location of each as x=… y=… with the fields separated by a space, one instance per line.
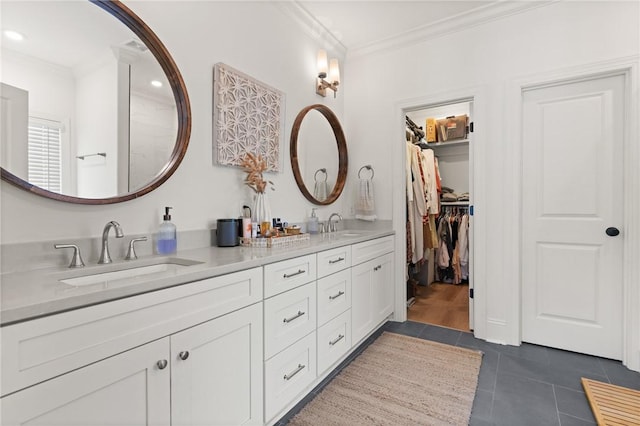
x=256 y=38
x=96 y=129
x=484 y=59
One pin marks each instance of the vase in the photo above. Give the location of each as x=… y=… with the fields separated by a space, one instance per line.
x=261 y=213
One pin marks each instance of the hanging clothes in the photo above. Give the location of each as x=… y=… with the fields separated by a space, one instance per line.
x=417 y=201
x=463 y=244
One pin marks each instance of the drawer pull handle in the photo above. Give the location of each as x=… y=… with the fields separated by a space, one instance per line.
x=294 y=372
x=300 y=271
x=333 y=342
x=377 y=267
x=340 y=259
x=298 y=315
x=162 y=364
x=184 y=355
x=340 y=293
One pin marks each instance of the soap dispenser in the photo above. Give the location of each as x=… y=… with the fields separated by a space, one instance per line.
x=167 y=242
x=312 y=225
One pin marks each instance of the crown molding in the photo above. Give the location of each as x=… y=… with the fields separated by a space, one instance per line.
x=311 y=26
x=459 y=22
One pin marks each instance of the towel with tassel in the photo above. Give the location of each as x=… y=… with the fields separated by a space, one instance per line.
x=365 y=206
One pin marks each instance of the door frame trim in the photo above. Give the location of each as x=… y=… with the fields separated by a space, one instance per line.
x=476 y=95
x=629 y=68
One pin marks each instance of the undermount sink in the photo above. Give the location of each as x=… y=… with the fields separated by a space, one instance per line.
x=161 y=267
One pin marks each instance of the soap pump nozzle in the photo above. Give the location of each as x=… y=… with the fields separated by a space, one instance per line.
x=167 y=216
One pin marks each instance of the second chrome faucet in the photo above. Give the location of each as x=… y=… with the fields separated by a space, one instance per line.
x=104 y=254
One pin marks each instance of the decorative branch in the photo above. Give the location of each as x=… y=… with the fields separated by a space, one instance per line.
x=254 y=166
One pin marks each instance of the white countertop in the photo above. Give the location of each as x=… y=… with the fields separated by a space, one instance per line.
x=32 y=294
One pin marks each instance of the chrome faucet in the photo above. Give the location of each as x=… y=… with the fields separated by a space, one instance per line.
x=333 y=226
x=104 y=255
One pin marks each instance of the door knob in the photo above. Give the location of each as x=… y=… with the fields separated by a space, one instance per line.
x=162 y=364
x=184 y=355
x=612 y=231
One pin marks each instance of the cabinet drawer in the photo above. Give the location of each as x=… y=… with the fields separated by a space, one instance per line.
x=289 y=373
x=331 y=261
x=368 y=250
x=34 y=351
x=334 y=295
x=288 y=317
x=334 y=340
x=288 y=274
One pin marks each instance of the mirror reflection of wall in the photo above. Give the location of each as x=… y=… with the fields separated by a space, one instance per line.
x=84 y=91
x=317 y=149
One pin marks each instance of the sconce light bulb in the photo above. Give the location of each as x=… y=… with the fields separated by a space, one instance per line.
x=156 y=83
x=322 y=63
x=334 y=72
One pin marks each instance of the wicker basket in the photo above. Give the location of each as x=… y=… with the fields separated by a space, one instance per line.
x=273 y=242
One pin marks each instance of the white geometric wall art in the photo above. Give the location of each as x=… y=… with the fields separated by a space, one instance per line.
x=248 y=116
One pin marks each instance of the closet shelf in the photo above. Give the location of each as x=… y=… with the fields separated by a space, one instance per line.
x=458 y=142
x=455 y=203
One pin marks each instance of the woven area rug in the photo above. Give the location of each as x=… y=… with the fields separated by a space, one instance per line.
x=399 y=380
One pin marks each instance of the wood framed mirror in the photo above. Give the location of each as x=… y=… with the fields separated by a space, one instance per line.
x=318 y=151
x=142 y=48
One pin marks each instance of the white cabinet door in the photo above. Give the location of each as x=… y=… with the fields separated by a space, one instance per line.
x=361 y=301
x=371 y=295
x=216 y=371
x=382 y=287
x=131 y=388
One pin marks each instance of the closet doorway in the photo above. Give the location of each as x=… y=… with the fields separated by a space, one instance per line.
x=440 y=260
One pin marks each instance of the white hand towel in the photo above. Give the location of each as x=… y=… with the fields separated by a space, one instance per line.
x=320 y=190
x=365 y=205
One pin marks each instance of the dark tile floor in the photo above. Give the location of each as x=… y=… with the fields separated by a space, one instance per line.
x=518 y=385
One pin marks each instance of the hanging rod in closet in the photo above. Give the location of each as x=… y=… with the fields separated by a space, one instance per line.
x=101 y=154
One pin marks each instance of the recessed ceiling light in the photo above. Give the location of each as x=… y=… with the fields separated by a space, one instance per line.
x=13 y=35
x=156 y=83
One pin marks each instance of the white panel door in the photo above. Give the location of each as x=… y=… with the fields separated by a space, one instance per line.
x=572 y=192
x=216 y=371
x=128 y=389
x=14 y=124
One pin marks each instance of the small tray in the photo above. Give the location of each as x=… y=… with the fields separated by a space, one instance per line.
x=273 y=242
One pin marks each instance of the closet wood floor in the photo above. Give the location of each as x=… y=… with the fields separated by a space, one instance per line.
x=446 y=305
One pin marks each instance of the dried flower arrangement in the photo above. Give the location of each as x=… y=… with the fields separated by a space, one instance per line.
x=254 y=166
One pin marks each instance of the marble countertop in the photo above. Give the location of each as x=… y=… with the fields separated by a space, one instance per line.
x=33 y=294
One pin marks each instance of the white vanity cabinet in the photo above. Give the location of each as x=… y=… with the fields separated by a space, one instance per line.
x=187 y=355
x=372 y=285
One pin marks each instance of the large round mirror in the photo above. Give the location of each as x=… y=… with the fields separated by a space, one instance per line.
x=318 y=152
x=94 y=110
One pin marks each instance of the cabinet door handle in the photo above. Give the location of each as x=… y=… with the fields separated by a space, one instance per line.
x=183 y=355
x=333 y=342
x=162 y=364
x=335 y=296
x=340 y=259
x=298 y=315
x=300 y=271
x=377 y=267
x=298 y=369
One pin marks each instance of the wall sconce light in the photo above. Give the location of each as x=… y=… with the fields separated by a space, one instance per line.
x=333 y=71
